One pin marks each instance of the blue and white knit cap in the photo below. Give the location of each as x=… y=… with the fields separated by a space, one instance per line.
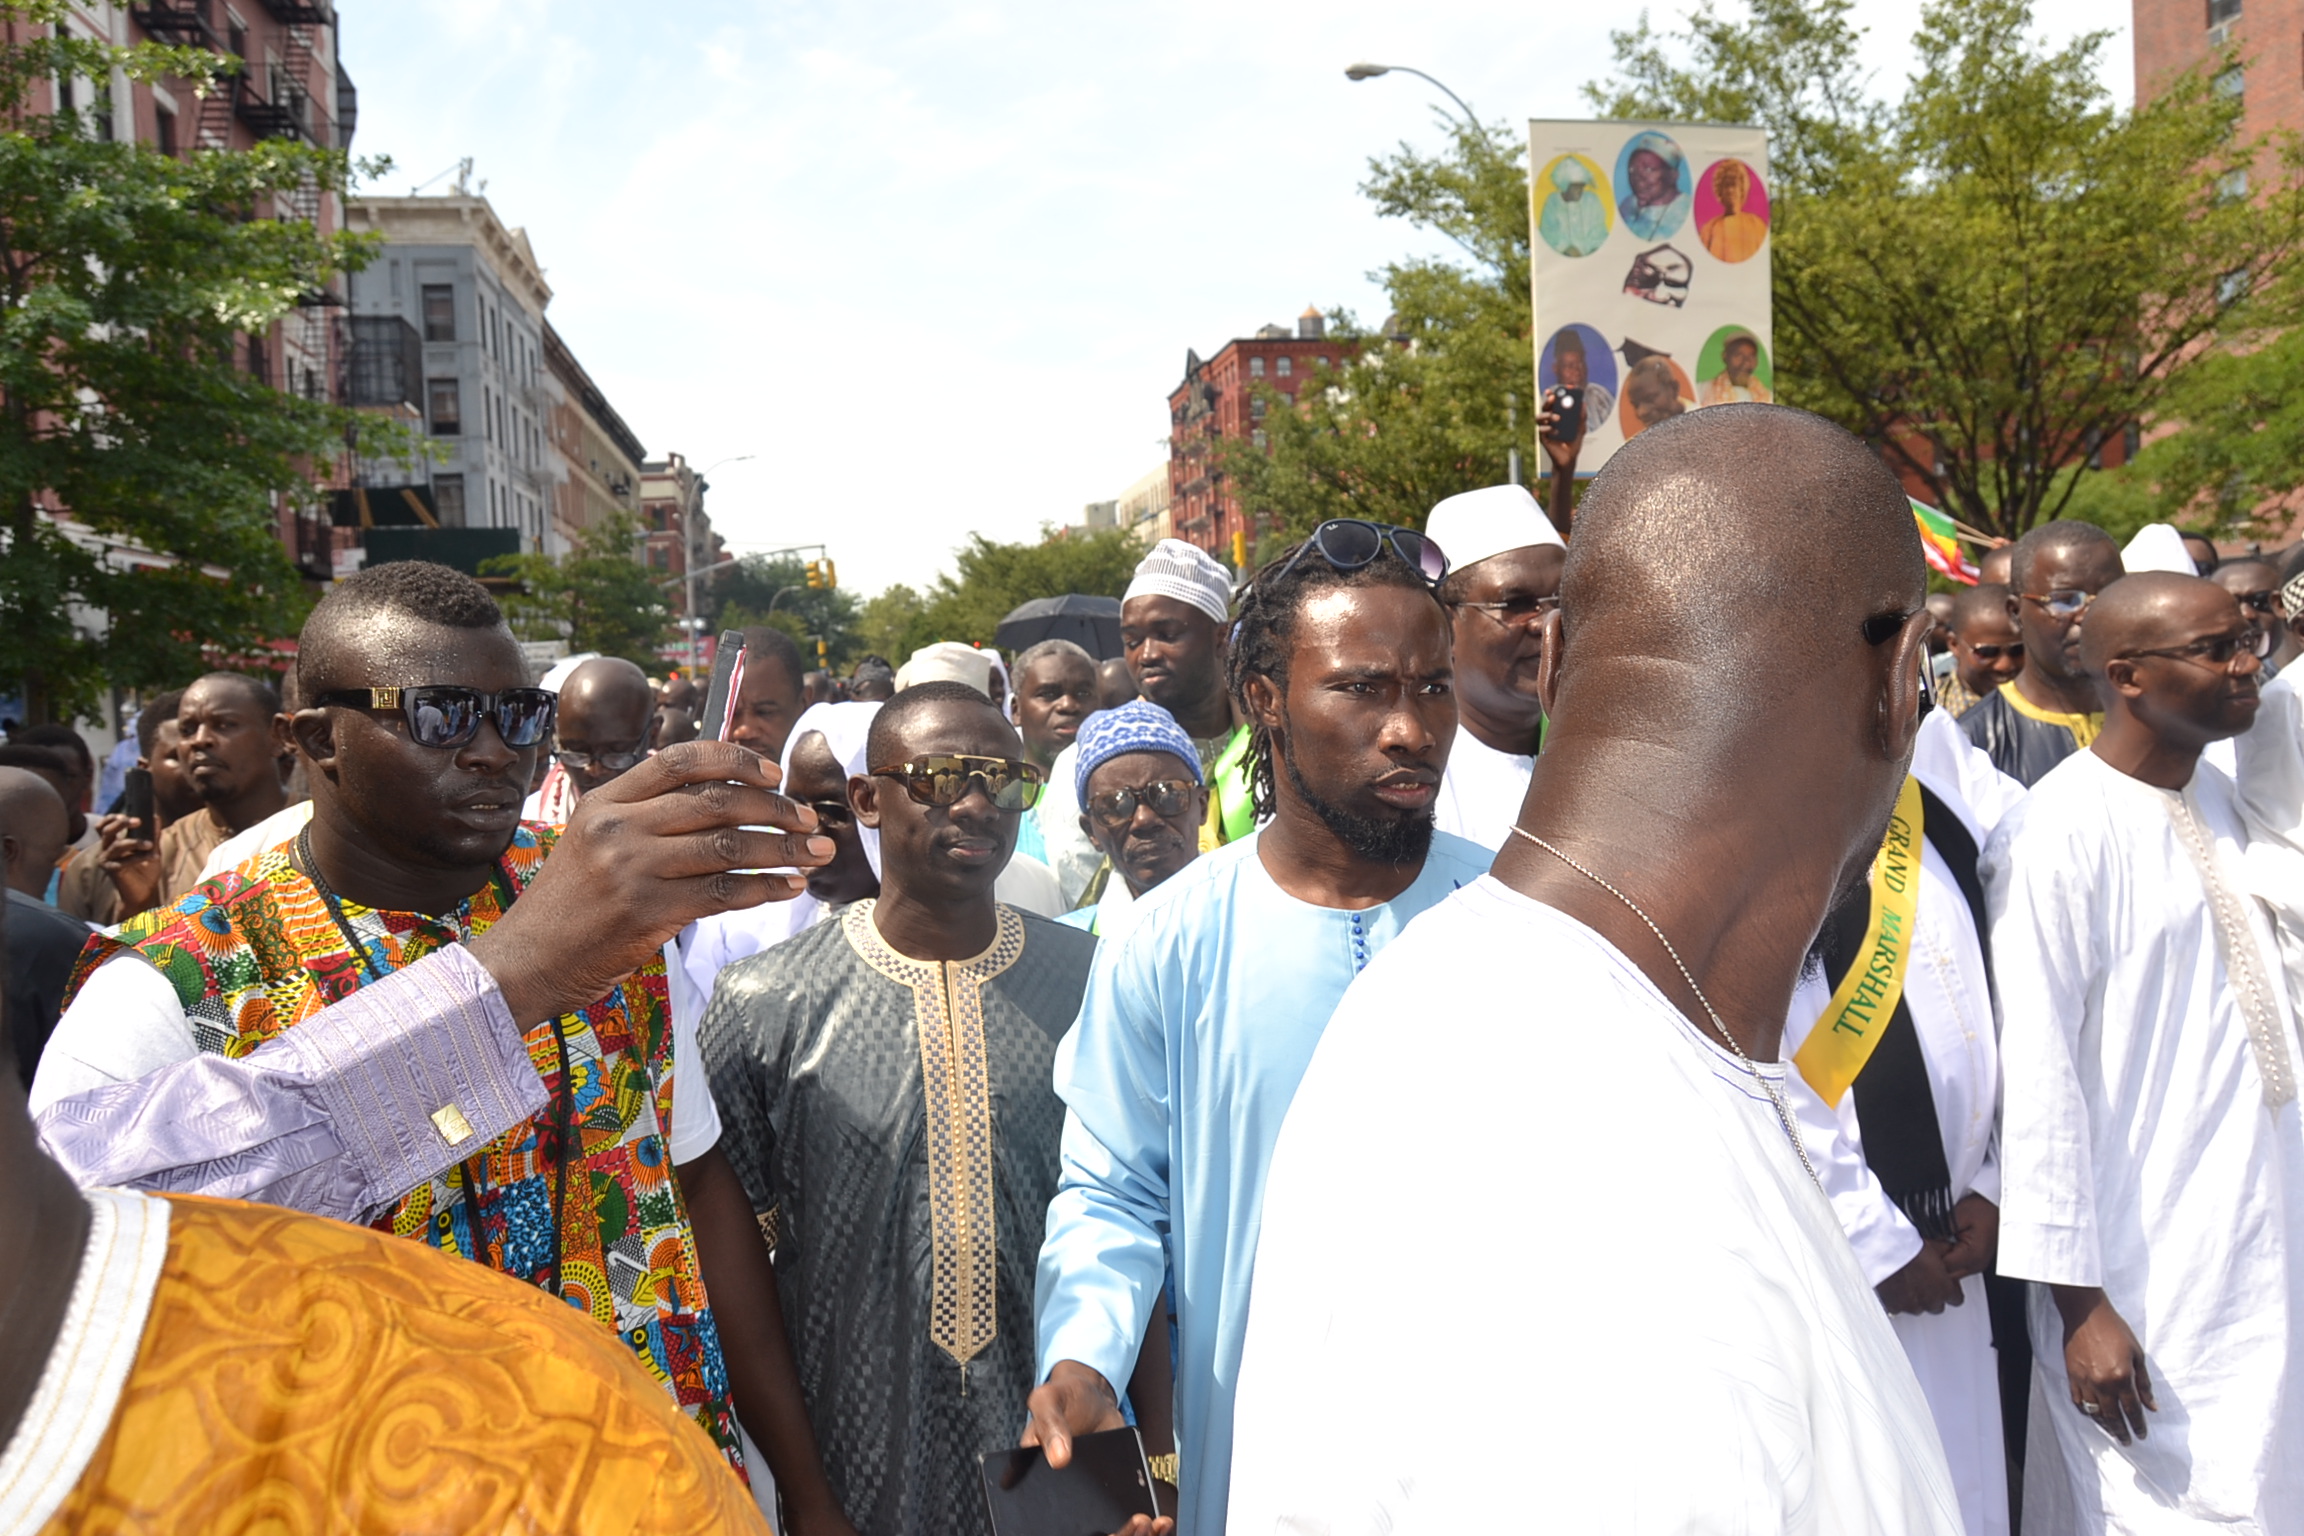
x=1186 y=573
x=1136 y=726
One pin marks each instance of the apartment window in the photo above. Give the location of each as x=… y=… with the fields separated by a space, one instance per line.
x=1256 y=406
x=448 y=499
x=164 y=130
x=439 y=312
x=1257 y=437
x=444 y=403
x=2232 y=186
x=2233 y=82
x=1255 y=367
x=259 y=365
x=1285 y=366
x=2222 y=11
x=236 y=39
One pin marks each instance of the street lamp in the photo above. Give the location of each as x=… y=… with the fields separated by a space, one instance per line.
x=1366 y=71
x=688 y=562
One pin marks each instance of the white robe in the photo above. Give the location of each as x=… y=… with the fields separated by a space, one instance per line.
x=1605 y=1295
x=1481 y=792
x=2137 y=1154
x=1951 y=1007
x=2270 y=757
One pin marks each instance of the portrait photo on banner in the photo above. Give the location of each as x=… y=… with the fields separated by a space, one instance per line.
x=1573 y=211
x=1656 y=387
x=1734 y=367
x=1577 y=357
x=1653 y=185
x=1731 y=210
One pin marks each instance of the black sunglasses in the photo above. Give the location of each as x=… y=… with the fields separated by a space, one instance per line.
x=946 y=779
x=1348 y=543
x=446 y=715
x=2217 y=651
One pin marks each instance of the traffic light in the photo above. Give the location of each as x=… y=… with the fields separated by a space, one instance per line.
x=815 y=575
x=831 y=574
x=823 y=654
x=1239 y=549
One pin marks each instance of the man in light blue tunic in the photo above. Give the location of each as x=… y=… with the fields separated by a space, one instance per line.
x=1199 y=1021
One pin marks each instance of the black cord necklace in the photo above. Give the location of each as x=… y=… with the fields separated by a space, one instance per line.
x=563 y=1097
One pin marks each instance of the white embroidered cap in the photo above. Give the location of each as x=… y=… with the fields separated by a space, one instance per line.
x=947 y=661
x=1186 y=573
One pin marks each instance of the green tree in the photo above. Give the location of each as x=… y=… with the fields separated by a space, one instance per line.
x=990 y=578
x=773 y=589
x=893 y=625
x=1993 y=275
x=597 y=597
x=129 y=423
x=1424 y=410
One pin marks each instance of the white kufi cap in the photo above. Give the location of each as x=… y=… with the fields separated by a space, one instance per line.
x=947 y=661
x=1476 y=524
x=2158 y=547
x=1186 y=573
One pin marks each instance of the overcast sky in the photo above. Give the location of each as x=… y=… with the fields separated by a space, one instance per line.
x=936 y=262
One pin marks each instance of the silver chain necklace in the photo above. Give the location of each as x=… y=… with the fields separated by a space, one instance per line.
x=1775 y=1094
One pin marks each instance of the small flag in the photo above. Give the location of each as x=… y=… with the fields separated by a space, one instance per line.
x=1941 y=545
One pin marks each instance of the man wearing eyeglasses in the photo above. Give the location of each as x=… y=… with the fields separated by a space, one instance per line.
x=2152 y=1152
x=2050 y=709
x=544 y=1150
x=1987 y=649
x=1504 y=576
x=607 y=713
x=887 y=1078
x=1139 y=781
x=2255 y=586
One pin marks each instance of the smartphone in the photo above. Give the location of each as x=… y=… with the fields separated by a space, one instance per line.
x=1106 y=1483
x=1568 y=406
x=136 y=803
x=727 y=683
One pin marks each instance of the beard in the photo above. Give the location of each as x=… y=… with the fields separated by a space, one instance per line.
x=1394 y=840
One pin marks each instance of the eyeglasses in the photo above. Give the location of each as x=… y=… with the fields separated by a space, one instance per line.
x=1348 y=543
x=445 y=715
x=612 y=762
x=2062 y=603
x=1167 y=797
x=2014 y=651
x=1010 y=785
x=2264 y=602
x=1519 y=611
x=832 y=811
x=2217 y=651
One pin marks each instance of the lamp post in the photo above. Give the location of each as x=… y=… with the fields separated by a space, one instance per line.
x=688 y=569
x=1366 y=71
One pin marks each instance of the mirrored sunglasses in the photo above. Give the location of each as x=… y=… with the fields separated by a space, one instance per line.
x=945 y=780
x=1117 y=808
x=446 y=715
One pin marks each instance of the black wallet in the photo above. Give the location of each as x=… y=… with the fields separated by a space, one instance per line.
x=1104 y=1485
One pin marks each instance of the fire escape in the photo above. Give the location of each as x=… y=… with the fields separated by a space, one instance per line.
x=278 y=93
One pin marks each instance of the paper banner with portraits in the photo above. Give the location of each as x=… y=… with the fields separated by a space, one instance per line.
x=1650 y=271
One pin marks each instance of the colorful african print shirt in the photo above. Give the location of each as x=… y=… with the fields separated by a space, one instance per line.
x=900 y=1118
x=254 y=952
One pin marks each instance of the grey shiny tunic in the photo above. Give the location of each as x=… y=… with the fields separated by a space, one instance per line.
x=900 y=1119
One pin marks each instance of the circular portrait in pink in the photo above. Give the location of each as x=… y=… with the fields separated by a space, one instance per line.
x=1731 y=210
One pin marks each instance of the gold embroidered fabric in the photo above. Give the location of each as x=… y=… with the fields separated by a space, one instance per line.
x=948 y=1010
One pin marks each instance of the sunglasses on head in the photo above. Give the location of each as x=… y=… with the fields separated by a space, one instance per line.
x=1348 y=543
x=945 y=780
x=447 y=715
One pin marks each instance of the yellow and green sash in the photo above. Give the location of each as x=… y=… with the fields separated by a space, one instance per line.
x=1852 y=1024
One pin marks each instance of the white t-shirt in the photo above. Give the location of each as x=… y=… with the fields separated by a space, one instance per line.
x=1611 y=1298
x=271 y=832
x=126 y=1023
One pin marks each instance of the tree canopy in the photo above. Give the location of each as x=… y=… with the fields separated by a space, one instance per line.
x=774 y=590
x=143 y=467
x=597 y=597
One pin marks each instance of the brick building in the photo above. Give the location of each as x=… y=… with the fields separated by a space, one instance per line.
x=1215 y=400
x=292 y=87
x=2173 y=36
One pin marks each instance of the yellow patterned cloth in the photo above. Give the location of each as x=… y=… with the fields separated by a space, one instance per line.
x=299 y=1375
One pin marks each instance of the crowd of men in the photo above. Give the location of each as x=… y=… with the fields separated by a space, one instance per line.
x=1423 y=1039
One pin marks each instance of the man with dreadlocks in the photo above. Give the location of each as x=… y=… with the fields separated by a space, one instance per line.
x=1198 y=1021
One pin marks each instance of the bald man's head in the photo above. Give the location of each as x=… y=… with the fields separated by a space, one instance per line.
x=606 y=709
x=33 y=825
x=1741 y=627
x=1732 y=538
x=2176 y=656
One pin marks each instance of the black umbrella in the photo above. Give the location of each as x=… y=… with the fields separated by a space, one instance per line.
x=1092 y=623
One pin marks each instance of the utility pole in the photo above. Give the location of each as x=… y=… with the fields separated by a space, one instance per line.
x=1512 y=427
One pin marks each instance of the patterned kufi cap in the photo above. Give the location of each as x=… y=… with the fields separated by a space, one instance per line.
x=1136 y=726
x=1186 y=573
